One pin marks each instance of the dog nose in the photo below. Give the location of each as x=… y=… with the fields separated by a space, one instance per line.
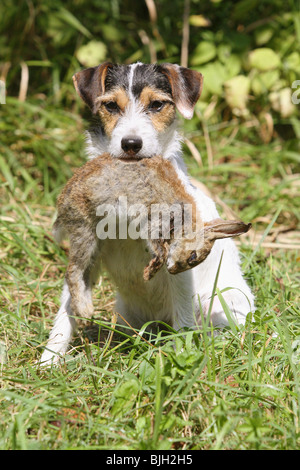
x=131 y=144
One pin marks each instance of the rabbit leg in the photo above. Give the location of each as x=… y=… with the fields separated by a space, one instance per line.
x=80 y=275
x=160 y=249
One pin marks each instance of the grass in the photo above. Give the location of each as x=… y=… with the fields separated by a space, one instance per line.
x=236 y=390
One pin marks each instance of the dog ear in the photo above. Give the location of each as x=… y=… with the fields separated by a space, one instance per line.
x=186 y=87
x=90 y=84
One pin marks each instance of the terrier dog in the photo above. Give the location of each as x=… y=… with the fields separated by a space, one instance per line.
x=136 y=109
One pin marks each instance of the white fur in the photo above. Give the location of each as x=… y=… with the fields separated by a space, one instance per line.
x=61 y=332
x=135 y=122
x=131 y=75
x=168 y=298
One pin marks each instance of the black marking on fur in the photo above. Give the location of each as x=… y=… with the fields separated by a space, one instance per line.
x=143 y=75
x=117 y=76
x=149 y=75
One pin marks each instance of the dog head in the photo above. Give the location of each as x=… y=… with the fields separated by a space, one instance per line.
x=136 y=104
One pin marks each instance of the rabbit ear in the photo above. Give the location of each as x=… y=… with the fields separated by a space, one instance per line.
x=90 y=84
x=186 y=87
x=219 y=228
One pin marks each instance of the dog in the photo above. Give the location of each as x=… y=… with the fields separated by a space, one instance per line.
x=135 y=106
x=110 y=199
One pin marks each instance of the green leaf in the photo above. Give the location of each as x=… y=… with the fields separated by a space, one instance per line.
x=124 y=396
x=233 y=66
x=243 y=8
x=237 y=91
x=224 y=52
x=263 y=35
x=111 y=33
x=264 y=59
x=199 y=20
x=292 y=61
x=92 y=53
x=296 y=18
x=263 y=82
x=204 y=52
x=214 y=76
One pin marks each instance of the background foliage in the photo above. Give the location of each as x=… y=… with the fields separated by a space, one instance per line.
x=247 y=50
x=238 y=390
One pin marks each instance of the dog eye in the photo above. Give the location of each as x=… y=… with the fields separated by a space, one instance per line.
x=156 y=106
x=112 y=107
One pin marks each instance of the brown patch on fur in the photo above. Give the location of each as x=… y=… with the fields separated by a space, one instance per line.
x=149 y=94
x=118 y=95
x=162 y=119
x=71 y=193
x=109 y=120
x=166 y=171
